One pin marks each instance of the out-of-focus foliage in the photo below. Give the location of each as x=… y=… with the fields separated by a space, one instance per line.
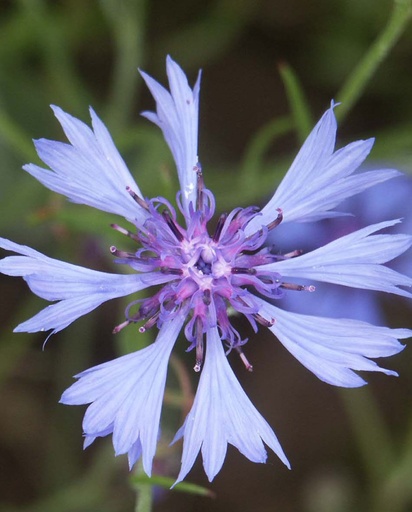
x=270 y=68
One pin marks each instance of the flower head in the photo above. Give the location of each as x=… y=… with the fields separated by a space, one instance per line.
x=202 y=275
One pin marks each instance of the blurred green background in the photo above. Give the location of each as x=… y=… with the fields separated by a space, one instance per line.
x=270 y=69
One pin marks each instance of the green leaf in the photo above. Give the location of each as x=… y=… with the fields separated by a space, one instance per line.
x=127 y=21
x=253 y=157
x=356 y=83
x=167 y=482
x=297 y=101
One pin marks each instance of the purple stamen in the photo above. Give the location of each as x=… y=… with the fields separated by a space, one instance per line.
x=126 y=232
x=141 y=202
x=298 y=287
x=277 y=221
x=172 y=225
x=121 y=254
x=208 y=274
x=242 y=356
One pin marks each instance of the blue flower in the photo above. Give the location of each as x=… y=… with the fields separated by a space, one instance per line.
x=386 y=200
x=201 y=276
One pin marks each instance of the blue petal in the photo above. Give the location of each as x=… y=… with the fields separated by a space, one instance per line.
x=332 y=348
x=221 y=414
x=319 y=179
x=126 y=397
x=353 y=260
x=89 y=170
x=317 y=149
x=177 y=116
x=78 y=289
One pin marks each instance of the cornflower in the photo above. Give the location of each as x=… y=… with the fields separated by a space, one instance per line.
x=386 y=200
x=201 y=276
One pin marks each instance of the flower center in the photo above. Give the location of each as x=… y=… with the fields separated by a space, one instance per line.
x=210 y=275
x=203 y=267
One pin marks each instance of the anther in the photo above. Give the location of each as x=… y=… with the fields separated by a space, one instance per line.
x=126 y=232
x=121 y=254
x=199 y=345
x=150 y=323
x=121 y=326
x=263 y=321
x=173 y=228
x=219 y=227
x=198 y=169
x=242 y=356
x=207 y=297
x=243 y=270
x=293 y=254
x=174 y=271
x=141 y=202
x=298 y=287
x=199 y=186
x=277 y=221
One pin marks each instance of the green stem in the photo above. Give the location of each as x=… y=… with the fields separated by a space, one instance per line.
x=57 y=53
x=127 y=18
x=373 y=439
x=15 y=137
x=260 y=143
x=356 y=83
x=297 y=101
x=144 y=492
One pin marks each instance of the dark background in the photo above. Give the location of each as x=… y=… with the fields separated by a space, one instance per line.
x=350 y=450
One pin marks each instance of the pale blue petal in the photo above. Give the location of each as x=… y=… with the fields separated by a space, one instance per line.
x=59 y=316
x=126 y=396
x=88 y=440
x=317 y=205
x=334 y=167
x=353 y=260
x=134 y=453
x=221 y=414
x=177 y=116
x=89 y=170
x=319 y=179
x=317 y=148
x=333 y=348
x=337 y=302
x=79 y=290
